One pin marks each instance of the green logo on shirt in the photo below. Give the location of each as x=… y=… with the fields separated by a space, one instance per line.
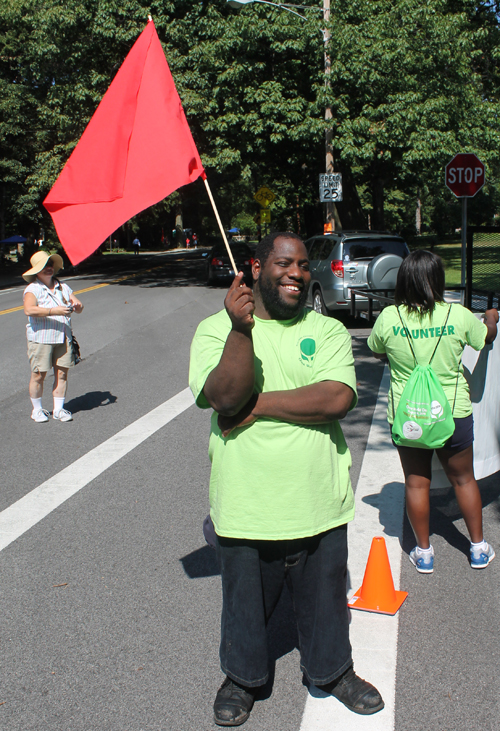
x=307 y=351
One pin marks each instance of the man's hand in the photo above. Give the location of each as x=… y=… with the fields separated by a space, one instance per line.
x=240 y=305
x=244 y=417
x=230 y=385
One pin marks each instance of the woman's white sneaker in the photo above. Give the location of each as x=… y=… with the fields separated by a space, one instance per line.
x=481 y=556
x=423 y=560
x=40 y=415
x=63 y=415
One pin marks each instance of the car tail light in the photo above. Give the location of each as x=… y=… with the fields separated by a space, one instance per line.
x=338 y=268
x=248 y=262
x=217 y=262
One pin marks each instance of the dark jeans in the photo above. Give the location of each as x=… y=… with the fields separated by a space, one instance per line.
x=253 y=575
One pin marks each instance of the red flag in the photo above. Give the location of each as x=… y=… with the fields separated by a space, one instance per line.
x=136 y=150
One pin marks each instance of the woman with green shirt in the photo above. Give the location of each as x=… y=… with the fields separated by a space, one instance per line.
x=422 y=315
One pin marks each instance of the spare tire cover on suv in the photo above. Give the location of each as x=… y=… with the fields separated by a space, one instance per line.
x=382 y=271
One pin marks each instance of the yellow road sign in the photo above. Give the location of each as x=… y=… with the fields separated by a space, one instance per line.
x=265 y=216
x=264 y=196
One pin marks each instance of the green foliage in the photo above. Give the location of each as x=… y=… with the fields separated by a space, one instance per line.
x=245 y=223
x=411 y=84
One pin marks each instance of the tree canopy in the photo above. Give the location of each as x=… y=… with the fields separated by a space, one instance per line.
x=411 y=84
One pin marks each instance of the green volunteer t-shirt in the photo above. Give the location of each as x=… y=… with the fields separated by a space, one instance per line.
x=274 y=480
x=390 y=337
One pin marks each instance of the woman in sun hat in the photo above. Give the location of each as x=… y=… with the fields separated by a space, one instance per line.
x=48 y=303
x=416 y=324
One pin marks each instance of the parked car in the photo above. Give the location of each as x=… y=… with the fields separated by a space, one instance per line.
x=345 y=259
x=219 y=268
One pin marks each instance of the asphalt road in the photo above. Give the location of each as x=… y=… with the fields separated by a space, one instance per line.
x=110 y=605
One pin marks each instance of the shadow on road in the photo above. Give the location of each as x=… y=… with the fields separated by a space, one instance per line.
x=444 y=512
x=200 y=563
x=91 y=400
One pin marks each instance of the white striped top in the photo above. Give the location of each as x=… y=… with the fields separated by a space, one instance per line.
x=53 y=329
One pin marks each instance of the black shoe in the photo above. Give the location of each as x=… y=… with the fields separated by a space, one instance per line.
x=355 y=693
x=233 y=703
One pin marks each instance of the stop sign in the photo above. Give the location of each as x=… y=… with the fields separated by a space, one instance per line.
x=464 y=175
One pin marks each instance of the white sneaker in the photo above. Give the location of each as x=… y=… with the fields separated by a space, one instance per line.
x=423 y=562
x=62 y=415
x=40 y=415
x=481 y=557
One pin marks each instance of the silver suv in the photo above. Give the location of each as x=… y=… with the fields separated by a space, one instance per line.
x=345 y=259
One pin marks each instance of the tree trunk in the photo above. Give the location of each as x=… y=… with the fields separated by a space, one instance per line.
x=378 y=204
x=350 y=209
x=180 y=241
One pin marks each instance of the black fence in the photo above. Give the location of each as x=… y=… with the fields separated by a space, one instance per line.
x=379 y=298
x=482 y=279
x=482 y=289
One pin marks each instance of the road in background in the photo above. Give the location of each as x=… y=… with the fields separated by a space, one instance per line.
x=110 y=605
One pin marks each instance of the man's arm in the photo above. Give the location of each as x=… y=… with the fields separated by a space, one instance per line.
x=230 y=385
x=318 y=403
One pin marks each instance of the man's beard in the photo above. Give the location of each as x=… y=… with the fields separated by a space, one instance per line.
x=275 y=305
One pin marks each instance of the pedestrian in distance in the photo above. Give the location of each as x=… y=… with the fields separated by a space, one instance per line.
x=279 y=379
x=136 y=246
x=48 y=303
x=419 y=328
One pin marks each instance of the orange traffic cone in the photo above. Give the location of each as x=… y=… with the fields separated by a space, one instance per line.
x=377 y=594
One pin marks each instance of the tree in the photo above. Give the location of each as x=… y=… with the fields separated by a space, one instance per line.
x=413 y=83
x=246 y=86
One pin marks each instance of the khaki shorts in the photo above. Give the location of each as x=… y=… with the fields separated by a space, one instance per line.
x=44 y=356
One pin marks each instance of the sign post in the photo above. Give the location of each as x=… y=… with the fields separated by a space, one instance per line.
x=464 y=176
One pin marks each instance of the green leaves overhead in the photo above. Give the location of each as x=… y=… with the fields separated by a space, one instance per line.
x=412 y=82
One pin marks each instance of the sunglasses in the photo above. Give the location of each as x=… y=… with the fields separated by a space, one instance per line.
x=49 y=264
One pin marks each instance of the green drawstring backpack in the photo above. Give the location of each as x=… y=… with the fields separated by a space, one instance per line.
x=423 y=418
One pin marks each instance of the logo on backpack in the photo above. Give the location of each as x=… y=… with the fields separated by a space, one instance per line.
x=411 y=430
x=436 y=410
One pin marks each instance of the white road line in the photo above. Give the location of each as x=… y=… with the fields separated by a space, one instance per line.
x=379 y=512
x=36 y=505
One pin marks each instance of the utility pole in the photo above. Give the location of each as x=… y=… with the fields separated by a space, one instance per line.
x=331 y=214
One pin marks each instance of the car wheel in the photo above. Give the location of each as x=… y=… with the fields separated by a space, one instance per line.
x=319 y=303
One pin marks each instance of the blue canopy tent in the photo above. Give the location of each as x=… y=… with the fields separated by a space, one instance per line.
x=14 y=240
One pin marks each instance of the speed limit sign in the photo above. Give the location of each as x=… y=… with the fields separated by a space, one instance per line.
x=330 y=187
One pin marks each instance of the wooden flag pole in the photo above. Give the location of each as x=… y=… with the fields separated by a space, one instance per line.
x=231 y=259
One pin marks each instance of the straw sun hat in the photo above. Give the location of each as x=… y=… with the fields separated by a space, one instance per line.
x=38 y=262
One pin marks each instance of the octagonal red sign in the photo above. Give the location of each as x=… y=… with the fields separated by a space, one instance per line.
x=464 y=175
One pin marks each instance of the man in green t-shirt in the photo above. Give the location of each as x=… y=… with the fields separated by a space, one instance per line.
x=279 y=379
